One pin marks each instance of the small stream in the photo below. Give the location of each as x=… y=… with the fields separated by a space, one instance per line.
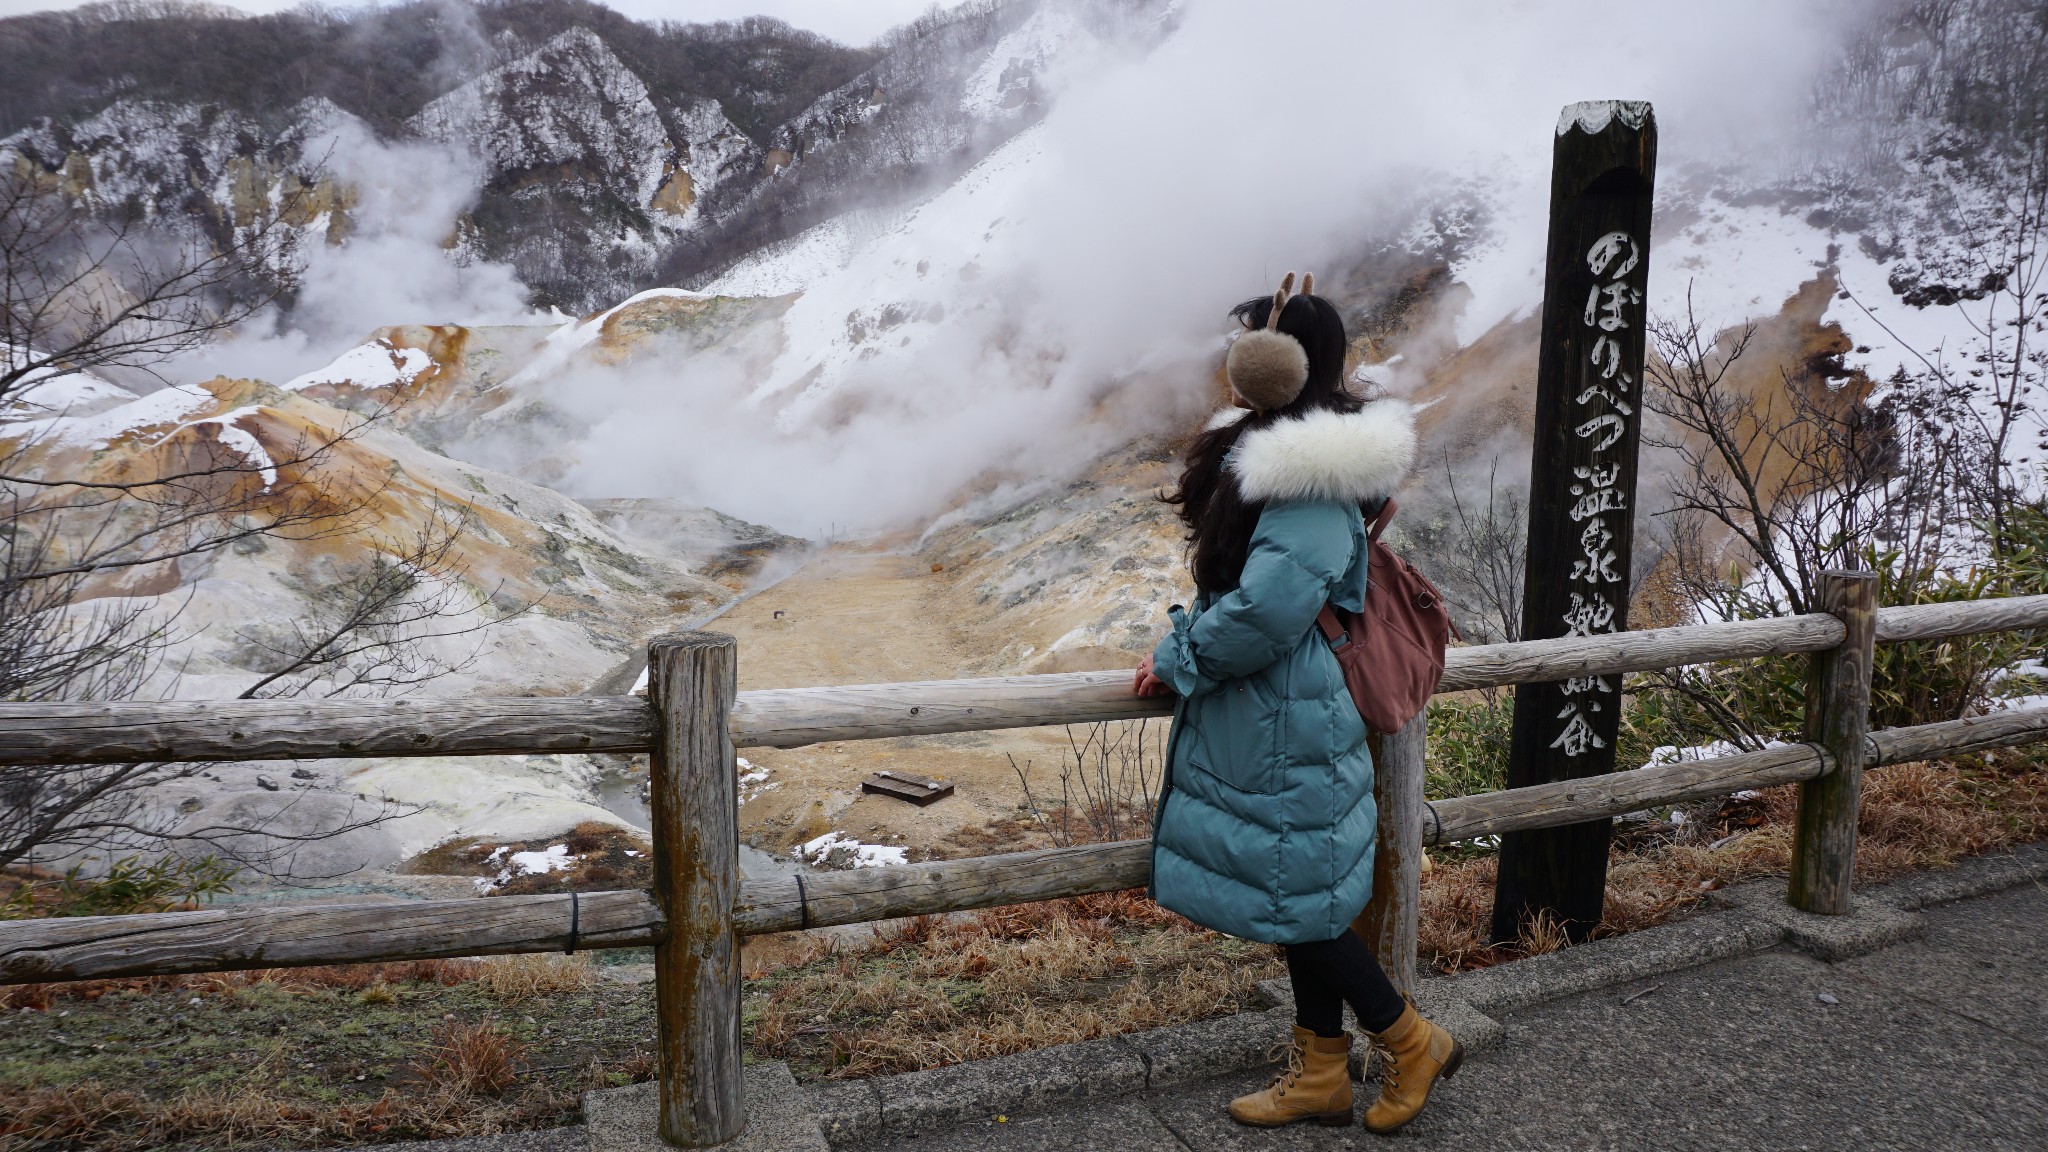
x=623 y=794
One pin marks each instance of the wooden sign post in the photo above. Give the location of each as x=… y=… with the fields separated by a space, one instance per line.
x=1582 y=494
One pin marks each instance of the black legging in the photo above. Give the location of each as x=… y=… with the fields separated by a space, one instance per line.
x=1327 y=973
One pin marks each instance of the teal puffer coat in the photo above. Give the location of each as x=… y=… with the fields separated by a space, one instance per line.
x=1266 y=825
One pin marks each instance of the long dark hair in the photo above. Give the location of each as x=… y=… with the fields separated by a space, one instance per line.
x=1220 y=520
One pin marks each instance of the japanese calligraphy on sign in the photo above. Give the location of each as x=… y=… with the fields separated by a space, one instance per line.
x=1600 y=420
x=1582 y=494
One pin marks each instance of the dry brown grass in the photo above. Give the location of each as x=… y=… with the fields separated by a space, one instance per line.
x=112 y=1119
x=1913 y=817
x=939 y=991
x=455 y=1090
x=471 y=1058
x=535 y=974
x=349 y=977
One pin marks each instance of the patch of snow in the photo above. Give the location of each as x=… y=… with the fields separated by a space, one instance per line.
x=562 y=345
x=753 y=780
x=378 y=364
x=902 y=288
x=1674 y=754
x=1593 y=116
x=53 y=391
x=1891 y=334
x=237 y=439
x=1738 y=262
x=857 y=854
x=553 y=858
x=1004 y=80
x=97 y=430
x=790 y=265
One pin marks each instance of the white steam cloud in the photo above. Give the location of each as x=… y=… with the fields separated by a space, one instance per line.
x=394 y=267
x=1071 y=291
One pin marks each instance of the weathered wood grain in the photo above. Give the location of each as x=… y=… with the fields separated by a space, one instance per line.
x=1391 y=922
x=866 y=894
x=1958 y=737
x=694 y=802
x=295 y=935
x=792 y=717
x=1837 y=719
x=199 y=730
x=1565 y=802
x=1934 y=621
x=1536 y=661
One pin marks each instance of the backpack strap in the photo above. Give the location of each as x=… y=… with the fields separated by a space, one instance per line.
x=1333 y=628
x=1380 y=521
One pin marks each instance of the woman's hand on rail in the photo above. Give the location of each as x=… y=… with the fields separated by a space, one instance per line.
x=1146 y=684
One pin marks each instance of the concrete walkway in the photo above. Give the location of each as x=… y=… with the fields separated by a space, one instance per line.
x=1936 y=1043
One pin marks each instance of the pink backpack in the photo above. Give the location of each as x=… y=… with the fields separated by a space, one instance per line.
x=1392 y=653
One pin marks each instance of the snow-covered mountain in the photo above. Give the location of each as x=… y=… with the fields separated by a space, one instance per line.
x=610 y=155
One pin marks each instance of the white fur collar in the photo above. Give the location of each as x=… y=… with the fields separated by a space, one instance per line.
x=1354 y=457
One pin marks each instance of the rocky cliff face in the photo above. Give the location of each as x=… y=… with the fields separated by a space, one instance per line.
x=611 y=154
x=589 y=175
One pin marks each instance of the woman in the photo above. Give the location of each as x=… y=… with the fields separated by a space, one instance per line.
x=1266 y=825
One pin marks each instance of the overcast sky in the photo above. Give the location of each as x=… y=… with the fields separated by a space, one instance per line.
x=850 y=21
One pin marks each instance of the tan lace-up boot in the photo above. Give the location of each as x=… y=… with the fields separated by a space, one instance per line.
x=1315 y=1085
x=1414 y=1054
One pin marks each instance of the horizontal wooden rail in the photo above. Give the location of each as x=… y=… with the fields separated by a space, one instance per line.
x=865 y=894
x=1537 y=661
x=129 y=732
x=1957 y=737
x=793 y=717
x=297 y=935
x=1962 y=618
x=204 y=730
x=294 y=935
x=1571 y=801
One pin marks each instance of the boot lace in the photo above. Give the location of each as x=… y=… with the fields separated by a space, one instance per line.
x=1296 y=1055
x=1390 y=1064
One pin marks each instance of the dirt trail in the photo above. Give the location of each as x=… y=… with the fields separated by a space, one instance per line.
x=849 y=616
x=865 y=615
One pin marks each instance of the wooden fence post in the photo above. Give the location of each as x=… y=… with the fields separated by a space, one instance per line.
x=694 y=794
x=1390 y=920
x=1838 y=719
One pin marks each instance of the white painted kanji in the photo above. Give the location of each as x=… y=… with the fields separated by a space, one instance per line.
x=1578 y=737
x=1612 y=306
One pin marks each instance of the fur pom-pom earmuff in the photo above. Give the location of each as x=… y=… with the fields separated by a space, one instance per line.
x=1267 y=367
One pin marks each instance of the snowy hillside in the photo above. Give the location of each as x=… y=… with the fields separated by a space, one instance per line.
x=609 y=155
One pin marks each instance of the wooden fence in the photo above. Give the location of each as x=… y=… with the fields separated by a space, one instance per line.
x=693 y=721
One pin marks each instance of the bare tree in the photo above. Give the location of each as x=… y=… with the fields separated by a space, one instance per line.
x=381 y=625
x=1779 y=480
x=1110 y=780
x=1479 y=553
x=86 y=291
x=78 y=293
x=1999 y=288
